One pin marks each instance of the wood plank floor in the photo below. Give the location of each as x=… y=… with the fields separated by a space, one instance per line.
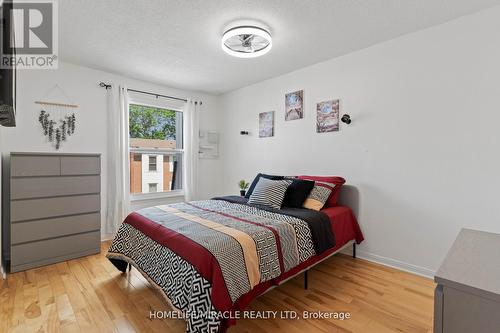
x=90 y=295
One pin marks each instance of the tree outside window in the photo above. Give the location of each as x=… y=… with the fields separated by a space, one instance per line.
x=156 y=149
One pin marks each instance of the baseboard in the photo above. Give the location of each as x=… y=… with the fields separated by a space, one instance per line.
x=403 y=266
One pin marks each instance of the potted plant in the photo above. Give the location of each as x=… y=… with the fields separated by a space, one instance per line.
x=243 y=187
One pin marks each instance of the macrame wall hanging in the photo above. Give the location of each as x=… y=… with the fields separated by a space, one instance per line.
x=57 y=119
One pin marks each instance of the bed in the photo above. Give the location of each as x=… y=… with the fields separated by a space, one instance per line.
x=211 y=258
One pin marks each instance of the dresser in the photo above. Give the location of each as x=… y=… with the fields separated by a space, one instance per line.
x=467 y=297
x=53 y=208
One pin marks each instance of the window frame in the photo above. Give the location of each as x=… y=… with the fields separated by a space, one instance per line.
x=156 y=103
x=155 y=163
x=155 y=186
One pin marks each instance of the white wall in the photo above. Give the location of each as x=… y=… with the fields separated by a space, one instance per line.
x=81 y=85
x=423 y=148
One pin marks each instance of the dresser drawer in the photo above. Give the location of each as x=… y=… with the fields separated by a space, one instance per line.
x=23 y=232
x=80 y=165
x=31 y=209
x=39 y=187
x=27 y=166
x=464 y=312
x=52 y=250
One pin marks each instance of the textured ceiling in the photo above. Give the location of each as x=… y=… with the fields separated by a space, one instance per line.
x=177 y=43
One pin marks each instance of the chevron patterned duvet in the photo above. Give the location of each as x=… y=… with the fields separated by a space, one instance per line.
x=212 y=257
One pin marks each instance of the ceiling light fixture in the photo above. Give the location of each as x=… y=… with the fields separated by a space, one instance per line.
x=246 y=42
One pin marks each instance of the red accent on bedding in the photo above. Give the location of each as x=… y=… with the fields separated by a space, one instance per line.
x=344 y=226
x=198 y=256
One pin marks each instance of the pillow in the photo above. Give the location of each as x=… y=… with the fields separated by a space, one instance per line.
x=297 y=193
x=319 y=195
x=256 y=180
x=337 y=181
x=269 y=193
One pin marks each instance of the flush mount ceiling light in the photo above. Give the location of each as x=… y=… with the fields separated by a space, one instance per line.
x=246 y=41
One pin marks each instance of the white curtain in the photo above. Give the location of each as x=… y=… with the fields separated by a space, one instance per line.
x=117 y=205
x=191 y=130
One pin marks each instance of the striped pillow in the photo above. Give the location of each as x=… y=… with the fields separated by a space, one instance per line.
x=319 y=195
x=269 y=193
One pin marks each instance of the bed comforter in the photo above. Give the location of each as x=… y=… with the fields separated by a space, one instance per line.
x=209 y=258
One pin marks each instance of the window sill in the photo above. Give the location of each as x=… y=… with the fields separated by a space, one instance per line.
x=153 y=196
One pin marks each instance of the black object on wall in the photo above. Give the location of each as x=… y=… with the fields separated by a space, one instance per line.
x=346 y=119
x=7 y=75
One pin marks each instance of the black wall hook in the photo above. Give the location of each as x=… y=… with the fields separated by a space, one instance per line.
x=104 y=85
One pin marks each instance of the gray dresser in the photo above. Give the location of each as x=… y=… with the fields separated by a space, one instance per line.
x=54 y=208
x=467 y=297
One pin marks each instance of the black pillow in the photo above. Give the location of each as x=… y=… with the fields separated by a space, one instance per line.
x=256 y=180
x=297 y=193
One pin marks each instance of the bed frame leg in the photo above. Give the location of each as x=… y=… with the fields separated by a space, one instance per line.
x=129 y=267
x=354 y=250
x=305 y=279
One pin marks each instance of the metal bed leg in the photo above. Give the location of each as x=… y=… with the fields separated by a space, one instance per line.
x=354 y=250
x=305 y=279
x=129 y=267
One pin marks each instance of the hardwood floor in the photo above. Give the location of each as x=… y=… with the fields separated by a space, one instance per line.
x=90 y=295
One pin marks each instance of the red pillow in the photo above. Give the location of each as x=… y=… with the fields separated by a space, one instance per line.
x=334 y=196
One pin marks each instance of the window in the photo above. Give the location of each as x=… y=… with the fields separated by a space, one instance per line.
x=152 y=163
x=156 y=150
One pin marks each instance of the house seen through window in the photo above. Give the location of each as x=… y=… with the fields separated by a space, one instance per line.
x=156 y=149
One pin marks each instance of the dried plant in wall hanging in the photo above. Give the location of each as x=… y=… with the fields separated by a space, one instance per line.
x=58 y=121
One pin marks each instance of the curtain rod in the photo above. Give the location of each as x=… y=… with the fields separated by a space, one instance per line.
x=107 y=86
x=157 y=95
